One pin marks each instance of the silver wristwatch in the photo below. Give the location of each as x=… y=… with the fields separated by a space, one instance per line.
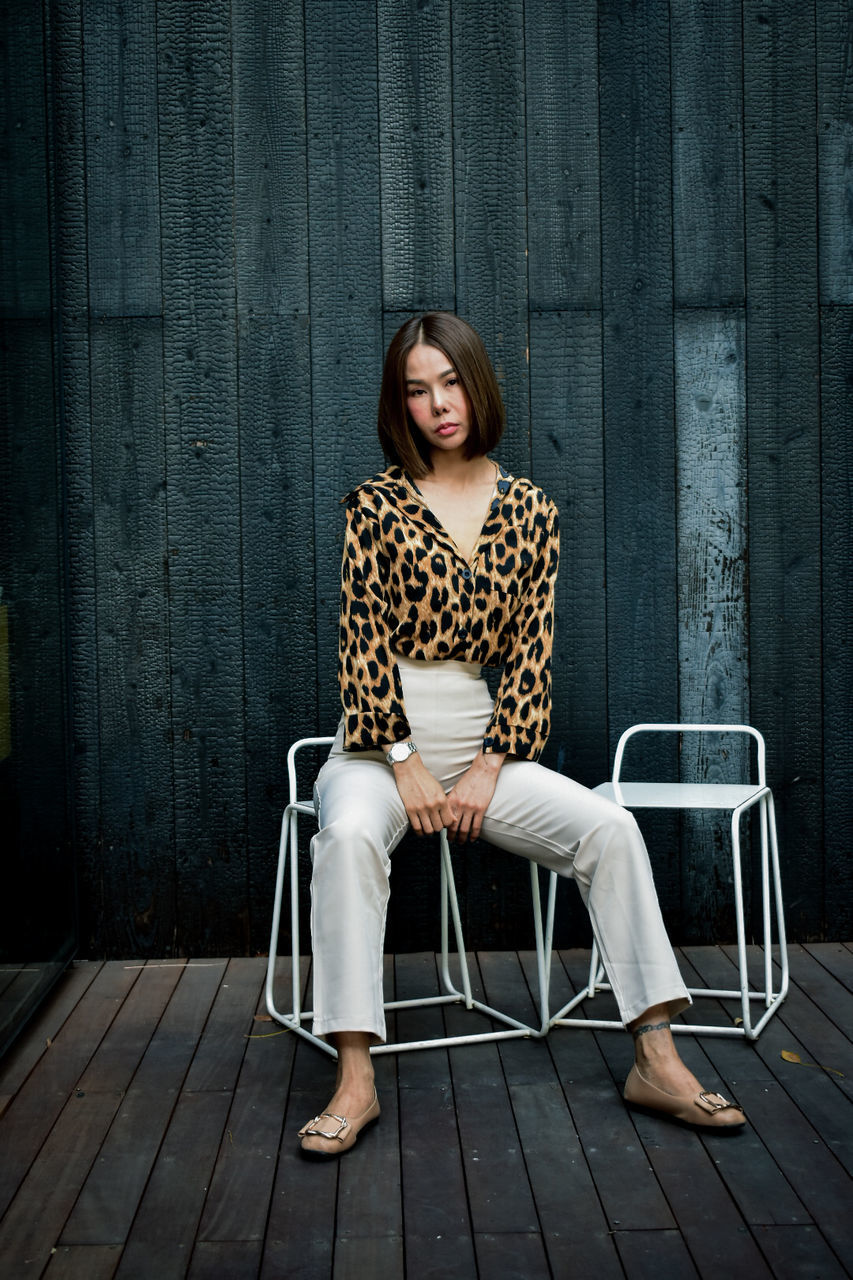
x=400 y=752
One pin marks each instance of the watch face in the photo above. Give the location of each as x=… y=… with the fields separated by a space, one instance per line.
x=400 y=751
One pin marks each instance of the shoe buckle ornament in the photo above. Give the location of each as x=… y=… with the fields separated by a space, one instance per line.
x=712 y=1102
x=310 y=1132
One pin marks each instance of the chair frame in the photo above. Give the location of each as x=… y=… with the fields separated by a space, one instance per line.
x=296 y=1015
x=641 y=795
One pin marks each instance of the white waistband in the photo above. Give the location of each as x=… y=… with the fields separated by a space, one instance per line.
x=472 y=669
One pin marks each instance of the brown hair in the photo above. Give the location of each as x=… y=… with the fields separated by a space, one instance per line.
x=463 y=346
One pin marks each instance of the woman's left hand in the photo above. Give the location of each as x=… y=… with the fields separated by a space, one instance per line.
x=472 y=795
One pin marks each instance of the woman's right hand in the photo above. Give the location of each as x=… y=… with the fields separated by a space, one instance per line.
x=427 y=807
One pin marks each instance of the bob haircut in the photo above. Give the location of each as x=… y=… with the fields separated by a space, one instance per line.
x=400 y=439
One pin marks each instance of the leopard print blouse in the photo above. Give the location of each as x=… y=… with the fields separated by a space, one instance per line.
x=406 y=589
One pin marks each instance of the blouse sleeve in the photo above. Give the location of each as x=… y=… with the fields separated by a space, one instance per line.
x=521 y=719
x=371 y=691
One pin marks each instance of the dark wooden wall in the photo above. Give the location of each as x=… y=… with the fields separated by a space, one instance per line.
x=645 y=208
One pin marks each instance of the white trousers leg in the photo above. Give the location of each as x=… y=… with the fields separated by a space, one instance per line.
x=534 y=812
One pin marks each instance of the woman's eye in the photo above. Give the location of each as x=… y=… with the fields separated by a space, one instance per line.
x=451 y=382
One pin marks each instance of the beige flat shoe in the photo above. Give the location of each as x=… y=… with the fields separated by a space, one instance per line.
x=344 y=1133
x=703 y=1111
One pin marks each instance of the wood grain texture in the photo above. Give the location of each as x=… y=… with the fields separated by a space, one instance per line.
x=25 y=258
x=491 y=203
x=416 y=155
x=67 y=159
x=122 y=207
x=36 y=821
x=707 y=152
x=279 y=640
x=270 y=174
x=713 y=658
x=637 y=364
x=568 y=460
x=563 y=181
x=836 y=331
x=346 y=294
x=137 y=864
x=784 y=443
x=834 y=35
x=203 y=482
x=279 y=184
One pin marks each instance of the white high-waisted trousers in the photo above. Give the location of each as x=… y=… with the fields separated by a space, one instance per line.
x=534 y=811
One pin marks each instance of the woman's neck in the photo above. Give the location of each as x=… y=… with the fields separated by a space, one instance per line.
x=451 y=471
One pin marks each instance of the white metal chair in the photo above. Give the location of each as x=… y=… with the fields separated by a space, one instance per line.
x=736 y=799
x=296 y=1015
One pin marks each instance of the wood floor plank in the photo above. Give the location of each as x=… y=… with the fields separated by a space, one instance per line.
x=111 y=1194
x=225 y=1260
x=34 y=1220
x=439 y=1257
x=499 y=1192
x=799 y=1253
x=237 y=1202
x=434 y=1196
x=41 y=1031
x=122 y=1048
x=821 y=1183
x=219 y=1056
x=512 y=1256
x=83 y=1262
x=608 y=1138
x=30 y=1117
x=416 y=975
x=834 y=957
x=562 y=1184
x=708 y=1219
x=649 y=1255
x=164 y=1229
x=380 y=1257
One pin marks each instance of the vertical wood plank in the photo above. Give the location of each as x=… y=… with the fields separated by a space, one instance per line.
x=491 y=199
x=67 y=156
x=837 y=539
x=136 y=887
x=707 y=152
x=270 y=175
x=638 y=378
x=121 y=159
x=203 y=473
x=279 y=567
x=639 y=455
x=416 y=157
x=24 y=211
x=346 y=292
x=712 y=624
x=271 y=219
x=835 y=238
x=784 y=444
x=38 y=883
x=563 y=195
x=835 y=149
x=568 y=454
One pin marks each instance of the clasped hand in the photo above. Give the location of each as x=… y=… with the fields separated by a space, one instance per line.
x=461 y=809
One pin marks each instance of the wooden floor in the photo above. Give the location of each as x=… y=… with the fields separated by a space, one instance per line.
x=148 y=1122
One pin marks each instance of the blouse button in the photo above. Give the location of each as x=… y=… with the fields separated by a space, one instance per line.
x=462 y=632
x=466 y=573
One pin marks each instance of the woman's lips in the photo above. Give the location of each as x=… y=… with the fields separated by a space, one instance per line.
x=447 y=428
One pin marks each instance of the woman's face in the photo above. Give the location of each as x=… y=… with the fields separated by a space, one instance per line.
x=436 y=399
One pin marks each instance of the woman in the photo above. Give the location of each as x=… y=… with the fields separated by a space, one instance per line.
x=449 y=565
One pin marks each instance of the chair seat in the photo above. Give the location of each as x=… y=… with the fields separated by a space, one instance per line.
x=678 y=795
